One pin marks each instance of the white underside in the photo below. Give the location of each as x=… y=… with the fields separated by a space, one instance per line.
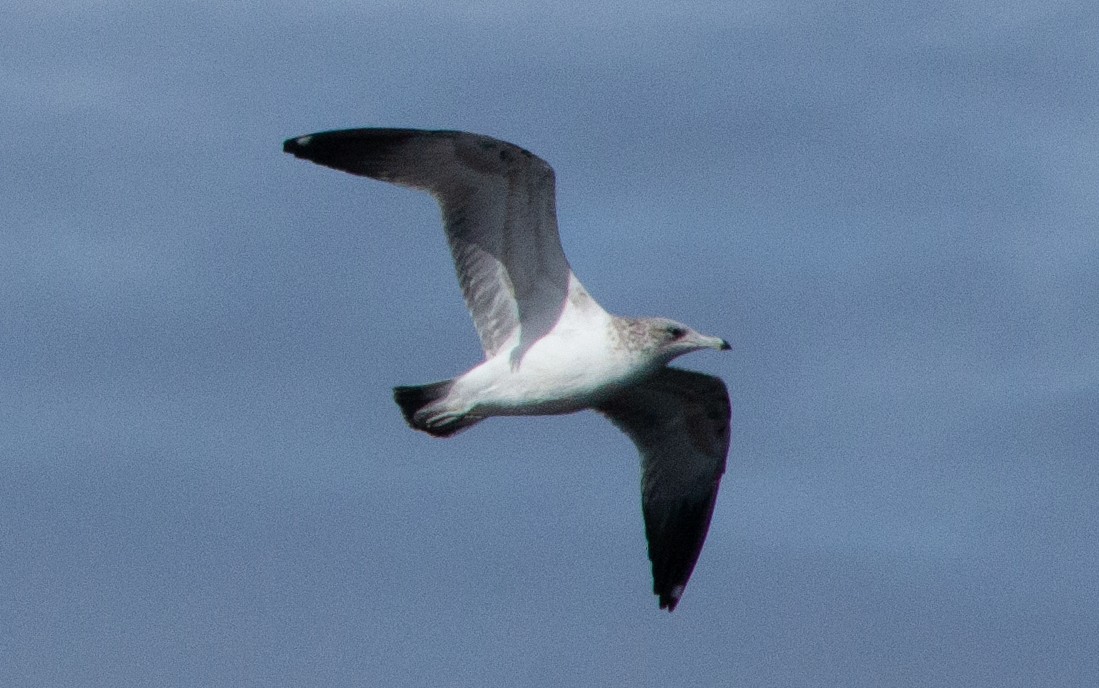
x=575 y=366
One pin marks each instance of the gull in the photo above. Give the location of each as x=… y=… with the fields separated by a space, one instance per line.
x=549 y=347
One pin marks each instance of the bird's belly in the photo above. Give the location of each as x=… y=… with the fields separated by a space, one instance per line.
x=548 y=380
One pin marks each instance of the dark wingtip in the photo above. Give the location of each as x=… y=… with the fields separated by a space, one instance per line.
x=295 y=146
x=670 y=597
x=725 y=346
x=363 y=152
x=341 y=149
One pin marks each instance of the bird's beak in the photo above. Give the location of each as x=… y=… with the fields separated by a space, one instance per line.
x=715 y=343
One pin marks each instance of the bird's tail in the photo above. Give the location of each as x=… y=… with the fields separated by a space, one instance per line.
x=415 y=400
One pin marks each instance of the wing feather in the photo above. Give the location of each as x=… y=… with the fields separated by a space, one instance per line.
x=679 y=421
x=498 y=210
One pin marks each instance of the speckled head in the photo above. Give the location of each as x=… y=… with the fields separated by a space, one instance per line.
x=661 y=338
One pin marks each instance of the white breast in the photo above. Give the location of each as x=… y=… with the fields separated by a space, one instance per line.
x=571 y=368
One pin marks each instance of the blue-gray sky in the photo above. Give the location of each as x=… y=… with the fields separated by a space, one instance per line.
x=890 y=211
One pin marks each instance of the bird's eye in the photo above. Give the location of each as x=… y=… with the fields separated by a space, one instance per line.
x=676 y=332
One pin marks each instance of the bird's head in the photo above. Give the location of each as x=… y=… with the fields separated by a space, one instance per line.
x=668 y=339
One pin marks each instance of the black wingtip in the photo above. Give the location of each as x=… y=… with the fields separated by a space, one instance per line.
x=295 y=146
x=363 y=152
x=670 y=596
x=341 y=149
x=675 y=531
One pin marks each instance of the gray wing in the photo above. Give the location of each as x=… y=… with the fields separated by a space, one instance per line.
x=498 y=209
x=679 y=421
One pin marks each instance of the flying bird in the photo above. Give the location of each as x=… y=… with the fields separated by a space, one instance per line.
x=549 y=347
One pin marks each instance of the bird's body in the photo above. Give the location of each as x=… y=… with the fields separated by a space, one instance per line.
x=564 y=371
x=549 y=347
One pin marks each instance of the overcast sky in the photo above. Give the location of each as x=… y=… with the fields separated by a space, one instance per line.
x=890 y=212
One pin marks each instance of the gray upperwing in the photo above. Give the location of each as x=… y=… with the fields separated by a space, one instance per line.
x=498 y=209
x=679 y=421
